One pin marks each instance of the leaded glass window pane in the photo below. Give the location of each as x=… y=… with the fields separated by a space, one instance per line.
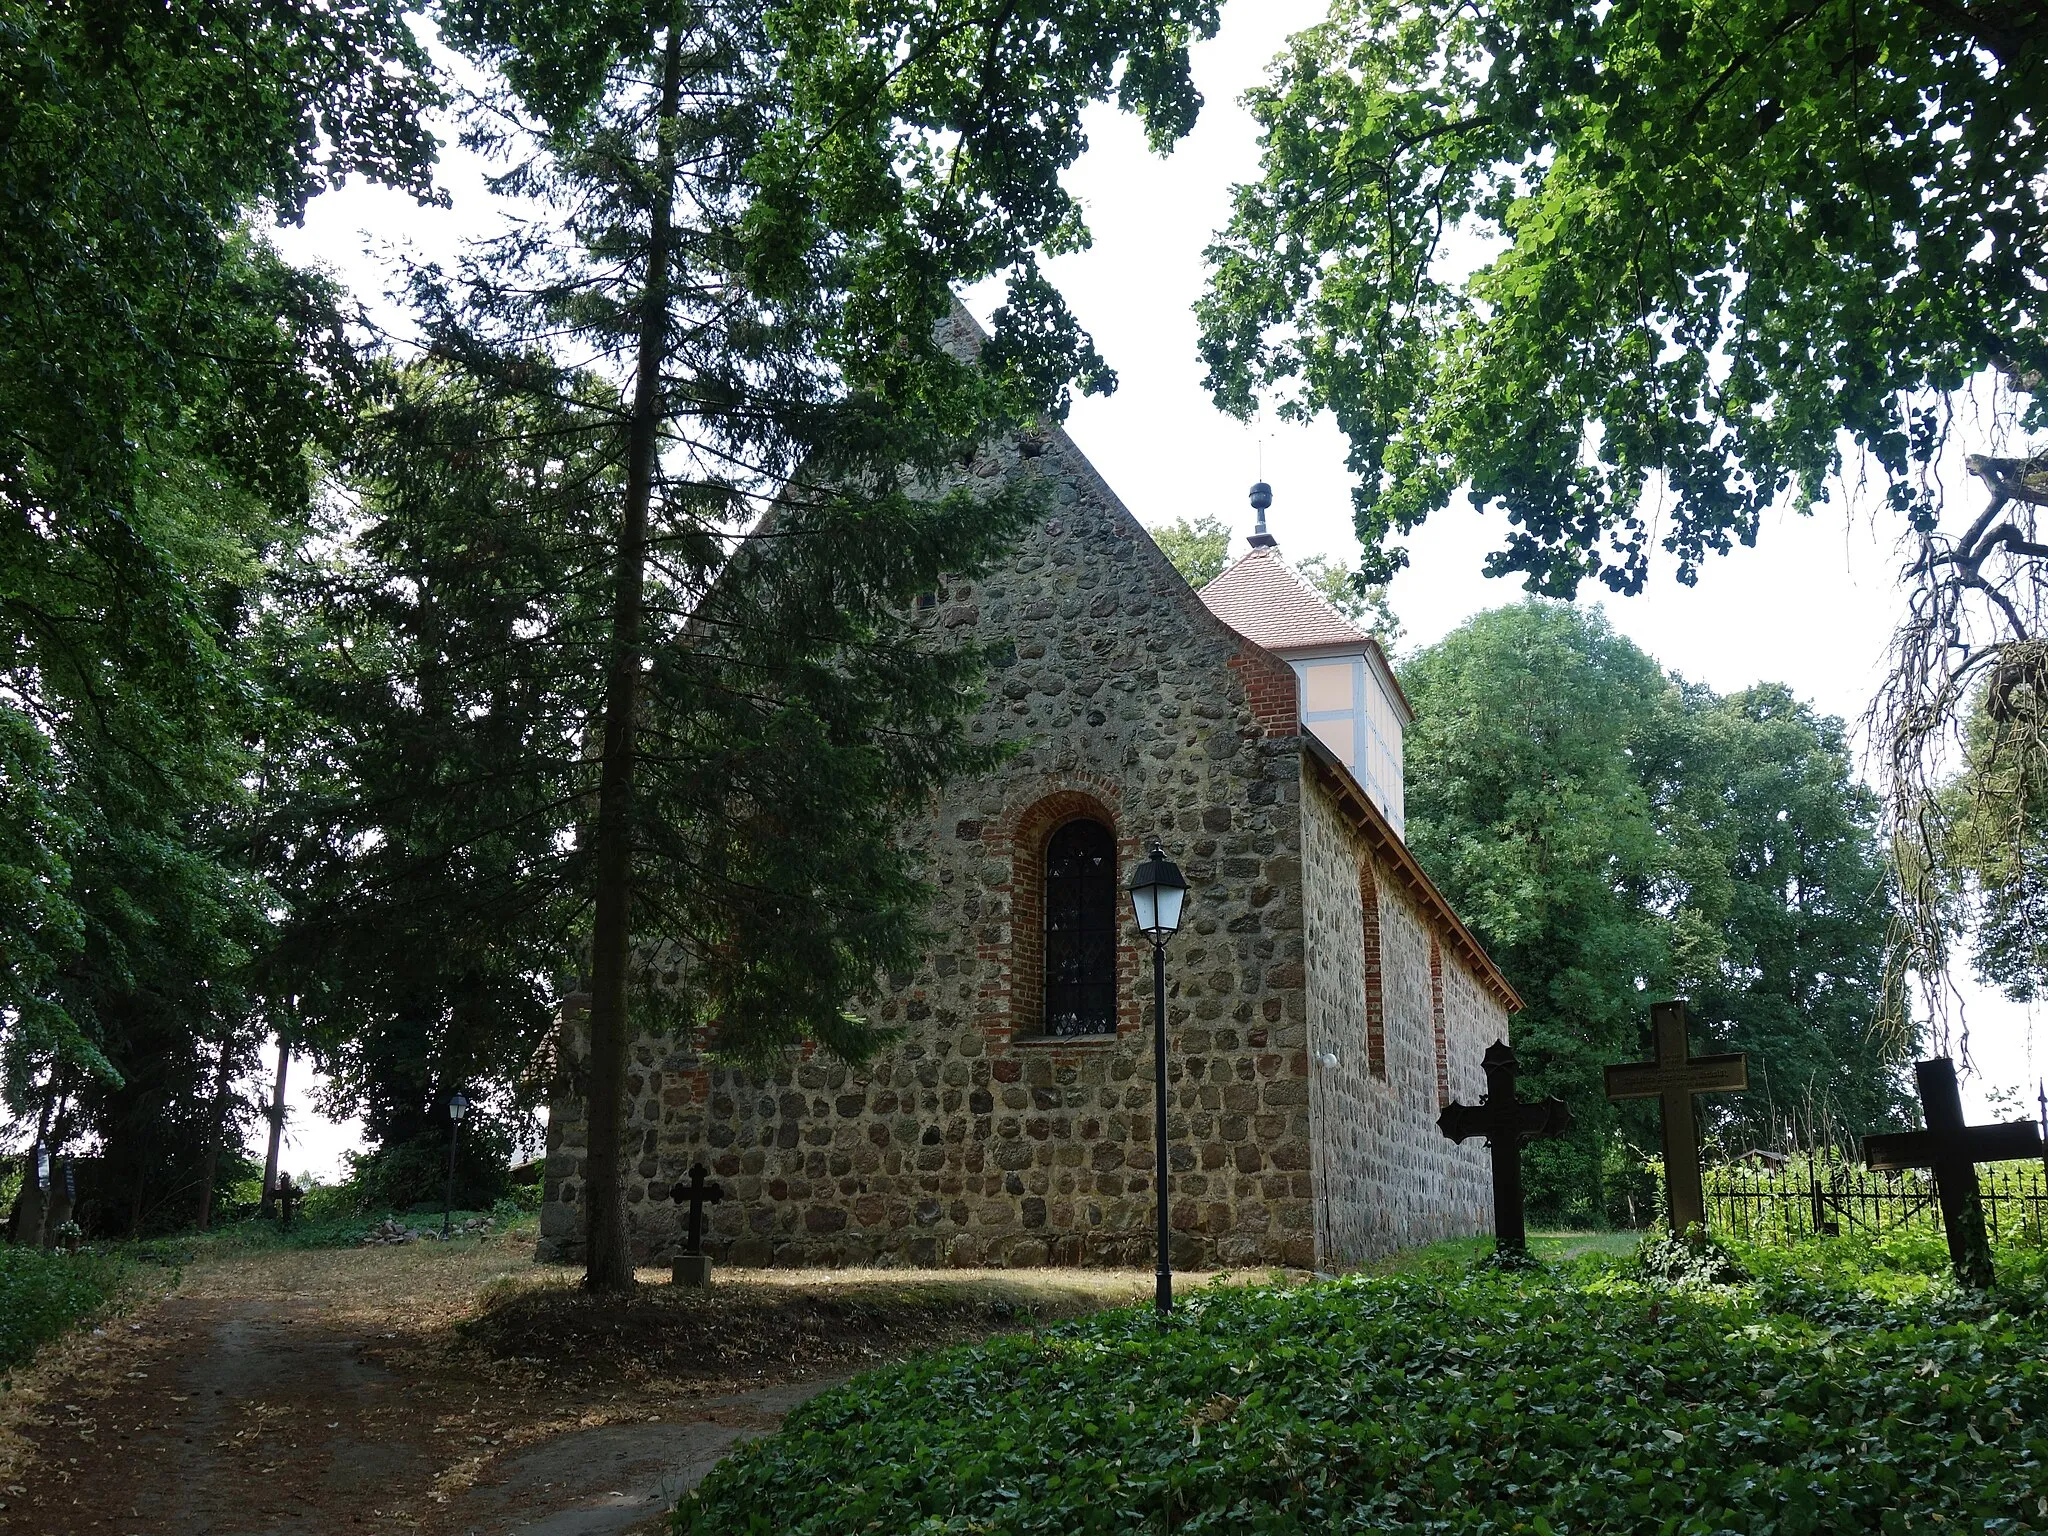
x=1080 y=930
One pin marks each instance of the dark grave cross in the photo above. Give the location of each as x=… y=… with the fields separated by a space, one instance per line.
x=1506 y=1122
x=287 y=1196
x=1673 y=1078
x=1953 y=1150
x=698 y=1193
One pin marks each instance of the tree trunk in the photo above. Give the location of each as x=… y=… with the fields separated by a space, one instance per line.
x=141 y=1190
x=284 y=1057
x=50 y=1102
x=608 y=1256
x=220 y=1132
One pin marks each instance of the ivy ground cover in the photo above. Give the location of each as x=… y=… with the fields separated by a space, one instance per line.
x=1835 y=1392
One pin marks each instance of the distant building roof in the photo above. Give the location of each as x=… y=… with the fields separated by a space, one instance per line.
x=1265 y=599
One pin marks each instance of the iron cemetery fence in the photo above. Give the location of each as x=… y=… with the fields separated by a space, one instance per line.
x=1806 y=1196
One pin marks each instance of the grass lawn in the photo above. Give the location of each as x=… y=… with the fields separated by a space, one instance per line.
x=1840 y=1388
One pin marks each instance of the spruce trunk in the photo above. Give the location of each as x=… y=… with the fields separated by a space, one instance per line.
x=608 y=1255
x=223 y=1080
x=284 y=1057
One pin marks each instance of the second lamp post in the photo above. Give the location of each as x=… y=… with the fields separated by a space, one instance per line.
x=1158 y=891
x=458 y=1106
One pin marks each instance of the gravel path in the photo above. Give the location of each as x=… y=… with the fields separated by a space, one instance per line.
x=240 y=1417
x=454 y=1390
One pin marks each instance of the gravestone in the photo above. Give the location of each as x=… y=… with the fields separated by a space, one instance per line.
x=1506 y=1122
x=1673 y=1078
x=25 y=1223
x=693 y=1265
x=1952 y=1150
x=48 y=1196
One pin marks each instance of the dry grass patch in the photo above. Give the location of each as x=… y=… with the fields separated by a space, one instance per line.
x=753 y=1327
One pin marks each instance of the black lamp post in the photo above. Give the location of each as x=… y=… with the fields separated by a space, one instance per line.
x=1158 y=891
x=458 y=1106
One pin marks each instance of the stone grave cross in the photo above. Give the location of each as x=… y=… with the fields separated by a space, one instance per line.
x=1953 y=1150
x=1673 y=1078
x=1506 y=1122
x=692 y=1268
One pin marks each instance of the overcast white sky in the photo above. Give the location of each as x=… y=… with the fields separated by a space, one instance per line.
x=1812 y=606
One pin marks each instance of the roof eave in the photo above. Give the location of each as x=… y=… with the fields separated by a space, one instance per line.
x=1380 y=835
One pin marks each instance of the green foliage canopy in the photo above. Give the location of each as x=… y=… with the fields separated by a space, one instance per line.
x=1991 y=844
x=169 y=389
x=1708 y=239
x=1199 y=547
x=1614 y=836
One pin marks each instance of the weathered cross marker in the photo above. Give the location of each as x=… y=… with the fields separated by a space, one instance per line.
x=1506 y=1122
x=692 y=1268
x=287 y=1196
x=1674 y=1077
x=1953 y=1150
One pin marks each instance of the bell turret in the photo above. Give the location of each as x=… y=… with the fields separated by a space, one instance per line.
x=1262 y=498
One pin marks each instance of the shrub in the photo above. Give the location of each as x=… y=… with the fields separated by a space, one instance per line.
x=42 y=1294
x=1579 y=1400
x=1670 y=1259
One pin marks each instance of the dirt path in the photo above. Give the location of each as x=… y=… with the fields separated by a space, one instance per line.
x=454 y=1391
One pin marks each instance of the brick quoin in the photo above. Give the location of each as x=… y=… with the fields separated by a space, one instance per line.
x=1375 y=997
x=1270 y=690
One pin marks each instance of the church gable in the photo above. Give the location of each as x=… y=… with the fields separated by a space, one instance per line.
x=1012 y=1120
x=1132 y=706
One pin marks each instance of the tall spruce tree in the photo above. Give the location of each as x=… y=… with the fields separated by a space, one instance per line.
x=753 y=213
x=431 y=671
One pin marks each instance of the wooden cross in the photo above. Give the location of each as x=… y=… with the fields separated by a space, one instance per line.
x=1953 y=1150
x=287 y=1196
x=1674 y=1077
x=1506 y=1122
x=698 y=1193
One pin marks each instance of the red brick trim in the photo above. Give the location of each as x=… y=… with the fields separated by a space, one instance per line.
x=1270 y=689
x=1436 y=1021
x=1375 y=990
x=1013 y=1001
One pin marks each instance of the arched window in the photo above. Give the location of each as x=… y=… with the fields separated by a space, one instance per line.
x=1436 y=1019
x=1375 y=996
x=1080 y=930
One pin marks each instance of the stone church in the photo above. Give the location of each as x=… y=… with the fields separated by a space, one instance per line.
x=1324 y=1001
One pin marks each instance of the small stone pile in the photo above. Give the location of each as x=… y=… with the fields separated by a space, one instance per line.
x=390 y=1232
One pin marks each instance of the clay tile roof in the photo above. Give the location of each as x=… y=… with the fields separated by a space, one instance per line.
x=1265 y=600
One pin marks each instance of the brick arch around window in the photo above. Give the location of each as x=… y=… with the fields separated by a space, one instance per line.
x=1013 y=1004
x=1375 y=991
x=1436 y=1022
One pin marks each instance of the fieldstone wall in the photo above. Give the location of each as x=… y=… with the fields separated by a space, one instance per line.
x=976 y=1140
x=1385 y=1178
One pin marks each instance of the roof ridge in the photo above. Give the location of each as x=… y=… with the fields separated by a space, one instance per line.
x=1248 y=596
x=1317 y=597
